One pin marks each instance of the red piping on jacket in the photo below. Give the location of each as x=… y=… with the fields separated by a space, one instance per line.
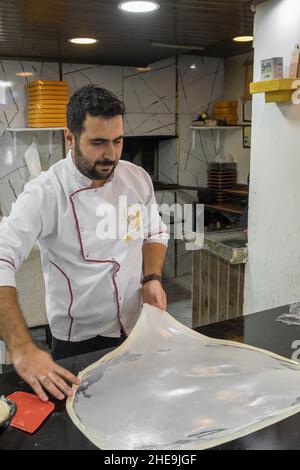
x=153 y=234
x=9 y=262
x=71 y=294
x=115 y=263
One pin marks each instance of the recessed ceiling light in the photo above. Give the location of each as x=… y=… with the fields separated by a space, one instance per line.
x=138 y=7
x=243 y=38
x=24 y=74
x=83 y=40
x=143 y=69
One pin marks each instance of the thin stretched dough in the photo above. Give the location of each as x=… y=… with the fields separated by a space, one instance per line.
x=169 y=387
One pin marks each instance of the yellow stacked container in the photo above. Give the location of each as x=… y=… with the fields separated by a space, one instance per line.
x=226 y=111
x=47 y=103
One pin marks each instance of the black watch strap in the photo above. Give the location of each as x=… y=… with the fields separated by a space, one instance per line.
x=151 y=277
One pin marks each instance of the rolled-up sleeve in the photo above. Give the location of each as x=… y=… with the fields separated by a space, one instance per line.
x=18 y=233
x=155 y=230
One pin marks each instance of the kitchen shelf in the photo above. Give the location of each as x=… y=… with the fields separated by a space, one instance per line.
x=213 y=128
x=279 y=90
x=15 y=130
x=227 y=207
x=27 y=129
x=236 y=192
x=222 y=128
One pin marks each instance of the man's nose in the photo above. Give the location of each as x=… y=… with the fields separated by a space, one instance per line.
x=110 y=151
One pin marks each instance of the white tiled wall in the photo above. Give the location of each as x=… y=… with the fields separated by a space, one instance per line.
x=198 y=89
x=181 y=162
x=168 y=164
x=13 y=170
x=149 y=96
x=106 y=76
x=150 y=99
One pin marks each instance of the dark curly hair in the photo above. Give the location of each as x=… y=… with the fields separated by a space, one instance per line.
x=93 y=100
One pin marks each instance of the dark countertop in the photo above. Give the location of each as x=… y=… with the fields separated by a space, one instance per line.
x=158 y=186
x=259 y=329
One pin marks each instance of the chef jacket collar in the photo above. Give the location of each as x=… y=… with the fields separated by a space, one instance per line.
x=82 y=179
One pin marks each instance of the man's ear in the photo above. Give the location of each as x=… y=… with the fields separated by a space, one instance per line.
x=70 y=139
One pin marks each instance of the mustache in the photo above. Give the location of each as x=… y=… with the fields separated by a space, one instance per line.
x=105 y=162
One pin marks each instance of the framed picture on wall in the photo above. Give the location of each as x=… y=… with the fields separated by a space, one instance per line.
x=247 y=110
x=247 y=137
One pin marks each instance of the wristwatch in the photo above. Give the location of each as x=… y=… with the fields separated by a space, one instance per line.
x=151 y=277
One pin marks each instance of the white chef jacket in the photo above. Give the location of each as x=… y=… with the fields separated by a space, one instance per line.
x=93 y=286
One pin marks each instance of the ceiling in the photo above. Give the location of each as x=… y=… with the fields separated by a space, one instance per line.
x=40 y=29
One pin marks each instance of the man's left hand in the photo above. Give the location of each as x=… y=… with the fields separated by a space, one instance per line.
x=153 y=294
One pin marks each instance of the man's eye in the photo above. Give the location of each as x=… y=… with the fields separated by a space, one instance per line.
x=118 y=141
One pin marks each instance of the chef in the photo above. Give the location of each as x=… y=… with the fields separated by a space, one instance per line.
x=96 y=277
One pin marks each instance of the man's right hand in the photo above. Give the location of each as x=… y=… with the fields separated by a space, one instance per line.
x=37 y=368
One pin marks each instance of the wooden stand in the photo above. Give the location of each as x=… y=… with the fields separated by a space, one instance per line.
x=218 y=289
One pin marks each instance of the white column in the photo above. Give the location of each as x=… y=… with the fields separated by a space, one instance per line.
x=273 y=270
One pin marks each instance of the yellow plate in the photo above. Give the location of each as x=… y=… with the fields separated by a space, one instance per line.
x=49 y=93
x=50 y=117
x=43 y=121
x=60 y=108
x=42 y=101
x=45 y=117
x=47 y=89
x=218 y=115
x=225 y=111
x=45 y=111
x=46 y=125
x=47 y=85
x=48 y=82
x=225 y=104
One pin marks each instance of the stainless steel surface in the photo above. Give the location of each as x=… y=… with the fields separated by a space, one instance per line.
x=235 y=243
x=230 y=245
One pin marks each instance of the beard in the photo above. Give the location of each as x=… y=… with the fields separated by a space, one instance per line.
x=93 y=170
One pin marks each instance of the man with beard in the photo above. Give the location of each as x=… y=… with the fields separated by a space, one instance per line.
x=96 y=280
